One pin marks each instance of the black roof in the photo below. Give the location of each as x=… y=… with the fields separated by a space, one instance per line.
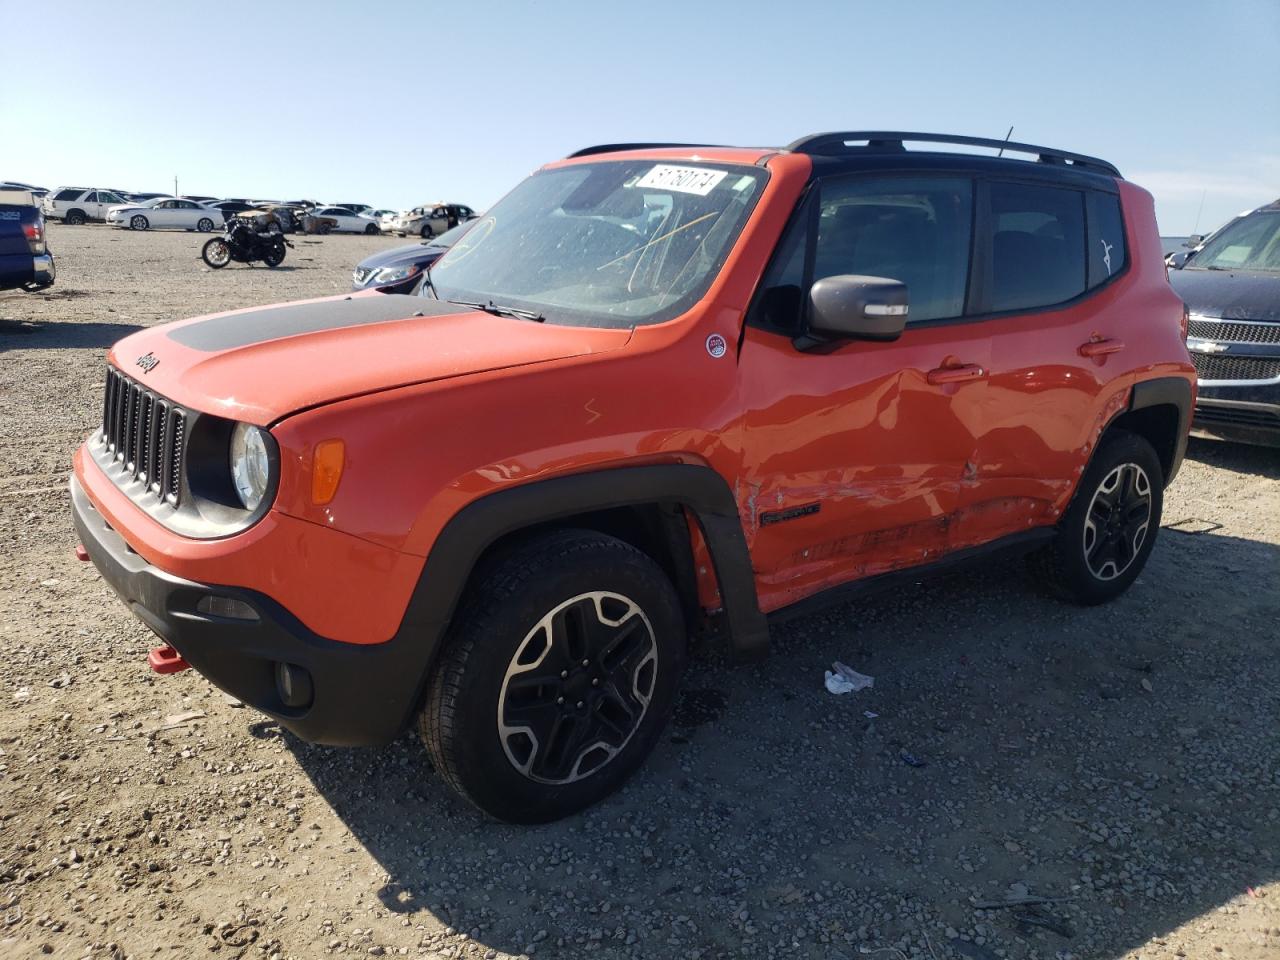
x=851 y=144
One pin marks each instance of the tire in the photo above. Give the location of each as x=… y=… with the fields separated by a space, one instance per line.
x=74 y=218
x=205 y=225
x=542 y=605
x=138 y=222
x=1110 y=526
x=274 y=256
x=371 y=230
x=216 y=253
x=425 y=232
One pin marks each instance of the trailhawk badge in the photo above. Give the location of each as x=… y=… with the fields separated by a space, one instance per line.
x=717 y=346
x=147 y=362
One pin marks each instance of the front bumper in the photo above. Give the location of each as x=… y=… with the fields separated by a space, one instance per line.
x=363 y=694
x=1250 y=415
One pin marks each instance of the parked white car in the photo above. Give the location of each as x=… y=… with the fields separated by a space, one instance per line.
x=165 y=213
x=75 y=205
x=346 y=221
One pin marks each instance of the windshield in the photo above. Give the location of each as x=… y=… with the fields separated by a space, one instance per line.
x=611 y=244
x=1251 y=243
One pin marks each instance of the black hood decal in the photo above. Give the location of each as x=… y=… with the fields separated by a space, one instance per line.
x=294 y=319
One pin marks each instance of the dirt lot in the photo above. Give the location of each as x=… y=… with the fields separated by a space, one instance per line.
x=1122 y=761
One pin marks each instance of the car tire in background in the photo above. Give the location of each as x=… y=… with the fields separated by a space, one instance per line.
x=1110 y=526
x=74 y=217
x=557 y=677
x=372 y=230
x=425 y=232
x=138 y=222
x=205 y=225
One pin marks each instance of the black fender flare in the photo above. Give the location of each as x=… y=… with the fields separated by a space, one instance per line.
x=1168 y=391
x=483 y=522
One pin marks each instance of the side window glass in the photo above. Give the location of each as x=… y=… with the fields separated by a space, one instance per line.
x=1037 y=246
x=916 y=230
x=91 y=198
x=1107 y=254
x=67 y=195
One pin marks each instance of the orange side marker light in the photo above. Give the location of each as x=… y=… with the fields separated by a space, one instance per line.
x=326 y=470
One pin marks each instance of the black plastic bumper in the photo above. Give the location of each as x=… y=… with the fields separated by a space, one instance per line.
x=363 y=695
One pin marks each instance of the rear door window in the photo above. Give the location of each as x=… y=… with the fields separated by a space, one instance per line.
x=1036 y=244
x=68 y=194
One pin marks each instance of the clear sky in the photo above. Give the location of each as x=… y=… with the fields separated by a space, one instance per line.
x=395 y=103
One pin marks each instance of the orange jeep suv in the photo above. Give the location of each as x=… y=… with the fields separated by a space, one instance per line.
x=657 y=389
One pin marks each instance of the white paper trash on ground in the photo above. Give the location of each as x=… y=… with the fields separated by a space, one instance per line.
x=842 y=678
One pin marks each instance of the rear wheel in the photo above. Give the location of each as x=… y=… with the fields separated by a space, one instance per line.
x=216 y=253
x=1110 y=527
x=425 y=232
x=205 y=225
x=557 y=677
x=138 y=222
x=74 y=217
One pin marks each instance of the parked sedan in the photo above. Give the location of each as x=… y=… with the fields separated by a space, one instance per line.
x=165 y=213
x=431 y=219
x=347 y=222
x=397 y=270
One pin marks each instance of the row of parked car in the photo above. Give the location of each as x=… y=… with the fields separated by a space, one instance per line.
x=146 y=211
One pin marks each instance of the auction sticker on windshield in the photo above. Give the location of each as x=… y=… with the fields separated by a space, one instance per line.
x=697 y=180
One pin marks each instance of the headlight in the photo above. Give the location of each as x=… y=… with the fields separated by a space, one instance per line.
x=250 y=465
x=392 y=274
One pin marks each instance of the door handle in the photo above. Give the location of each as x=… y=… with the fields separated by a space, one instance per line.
x=956 y=374
x=1100 y=348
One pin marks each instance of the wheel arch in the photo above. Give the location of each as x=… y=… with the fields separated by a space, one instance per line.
x=1159 y=411
x=646 y=506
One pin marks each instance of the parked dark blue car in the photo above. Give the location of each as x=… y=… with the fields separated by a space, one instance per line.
x=1231 y=287
x=399 y=269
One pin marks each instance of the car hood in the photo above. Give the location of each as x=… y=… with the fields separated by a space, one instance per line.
x=1230 y=294
x=263 y=363
x=398 y=256
x=127 y=208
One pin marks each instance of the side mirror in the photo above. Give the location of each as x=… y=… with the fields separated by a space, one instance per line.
x=859 y=308
x=1178 y=260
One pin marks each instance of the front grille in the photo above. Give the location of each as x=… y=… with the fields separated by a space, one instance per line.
x=1220 y=367
x=1239 y=416
x=1234 y=331
x=145 y=434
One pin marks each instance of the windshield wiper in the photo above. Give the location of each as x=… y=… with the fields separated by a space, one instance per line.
x=501 y=311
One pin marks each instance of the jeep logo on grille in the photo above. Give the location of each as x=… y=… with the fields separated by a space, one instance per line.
x=147 y=362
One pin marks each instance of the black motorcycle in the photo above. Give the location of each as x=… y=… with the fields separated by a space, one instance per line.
x=244 y=243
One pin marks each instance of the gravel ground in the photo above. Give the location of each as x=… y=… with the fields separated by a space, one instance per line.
x=1121 y=761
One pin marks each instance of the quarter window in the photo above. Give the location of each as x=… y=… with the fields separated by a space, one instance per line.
x=1107 y=251
x=1037 y=246
x=68 y=194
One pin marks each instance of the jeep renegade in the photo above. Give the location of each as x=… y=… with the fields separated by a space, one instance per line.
x=657 y=388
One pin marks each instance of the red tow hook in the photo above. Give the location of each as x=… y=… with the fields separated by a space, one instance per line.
x=166 y=660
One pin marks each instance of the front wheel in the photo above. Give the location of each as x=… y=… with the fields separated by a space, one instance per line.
x=216 y=253
x=372 y=230
x=205 y=225
x=274 y=255
x=1110 y=526
x=138 y=222
x=557 y=677
x=425 y=232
